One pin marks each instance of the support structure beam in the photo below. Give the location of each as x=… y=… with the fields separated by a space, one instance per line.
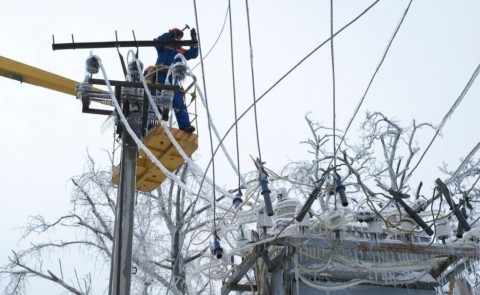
x=232 y=283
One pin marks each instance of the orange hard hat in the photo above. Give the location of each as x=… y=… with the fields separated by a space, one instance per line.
x=147 y=70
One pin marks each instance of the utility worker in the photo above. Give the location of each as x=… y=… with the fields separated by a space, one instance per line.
x=166 y=56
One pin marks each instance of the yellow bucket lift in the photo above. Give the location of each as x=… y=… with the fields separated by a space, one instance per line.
x=148 y=175
x=24 y=73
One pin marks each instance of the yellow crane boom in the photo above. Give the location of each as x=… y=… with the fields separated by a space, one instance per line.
x=27 y=74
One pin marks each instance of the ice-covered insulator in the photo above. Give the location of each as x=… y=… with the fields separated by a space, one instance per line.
x=179 y=72
x=375 y=226
x=92 y=64
x=217 y=249
x=282 y=194
x=134 y=71
x=334 y=221
x=365 y=215
x=407 y=225
x=340 y=189
x=82 y=88
x=264 y=220
x=237 y=200
x=166 y=98
x=286 y=207
x=419 y=205
x=330 y=186
x=128 y=91
x=443 y=231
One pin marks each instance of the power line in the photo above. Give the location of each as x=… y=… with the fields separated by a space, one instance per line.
x=212 y=160
x=285 y=75
x=333 y=85
x=374 y=75
x=216 y=41
x=356 y=111
x=449 y=113
x=234 y=90
x=253 y=82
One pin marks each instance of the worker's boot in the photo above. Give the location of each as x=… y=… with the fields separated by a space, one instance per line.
x=188 y=128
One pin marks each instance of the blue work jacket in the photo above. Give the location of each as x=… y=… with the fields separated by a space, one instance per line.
x=167 y=54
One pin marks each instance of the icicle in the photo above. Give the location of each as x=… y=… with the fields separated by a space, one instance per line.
x=166 y=99
x=295 y=260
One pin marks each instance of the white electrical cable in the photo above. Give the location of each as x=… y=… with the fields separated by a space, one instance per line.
x=313 y=270
x=385 y=266
x=354 y=282
x=192 y=164
x=336 y=287
x=138 y=141
x=217 y=134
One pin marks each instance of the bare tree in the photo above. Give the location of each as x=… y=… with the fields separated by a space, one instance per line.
x=161 y=236
x=173 y=227
x=381 y=163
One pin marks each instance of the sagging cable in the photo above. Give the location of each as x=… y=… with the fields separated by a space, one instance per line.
x=192 y=164
x=139 y=143
x=215 y=131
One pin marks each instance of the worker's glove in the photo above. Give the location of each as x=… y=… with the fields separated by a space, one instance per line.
x=193 y=34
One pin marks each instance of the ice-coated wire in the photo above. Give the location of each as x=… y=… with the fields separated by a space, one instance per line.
x=214 y=128
x=253 y=82
x=373 y=77
x=220 y=145
x=448 y=115
x=195 y=168
x=202 y=269
x=234 y=92
x=138 y=141
x=464 y=162
x=336 y=287
x=216 y=41
x=334 y=113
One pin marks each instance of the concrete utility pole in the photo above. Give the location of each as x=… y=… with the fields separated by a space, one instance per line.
x=121 y=265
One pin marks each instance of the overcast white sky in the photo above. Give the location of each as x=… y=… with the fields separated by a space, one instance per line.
x=45 y=136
